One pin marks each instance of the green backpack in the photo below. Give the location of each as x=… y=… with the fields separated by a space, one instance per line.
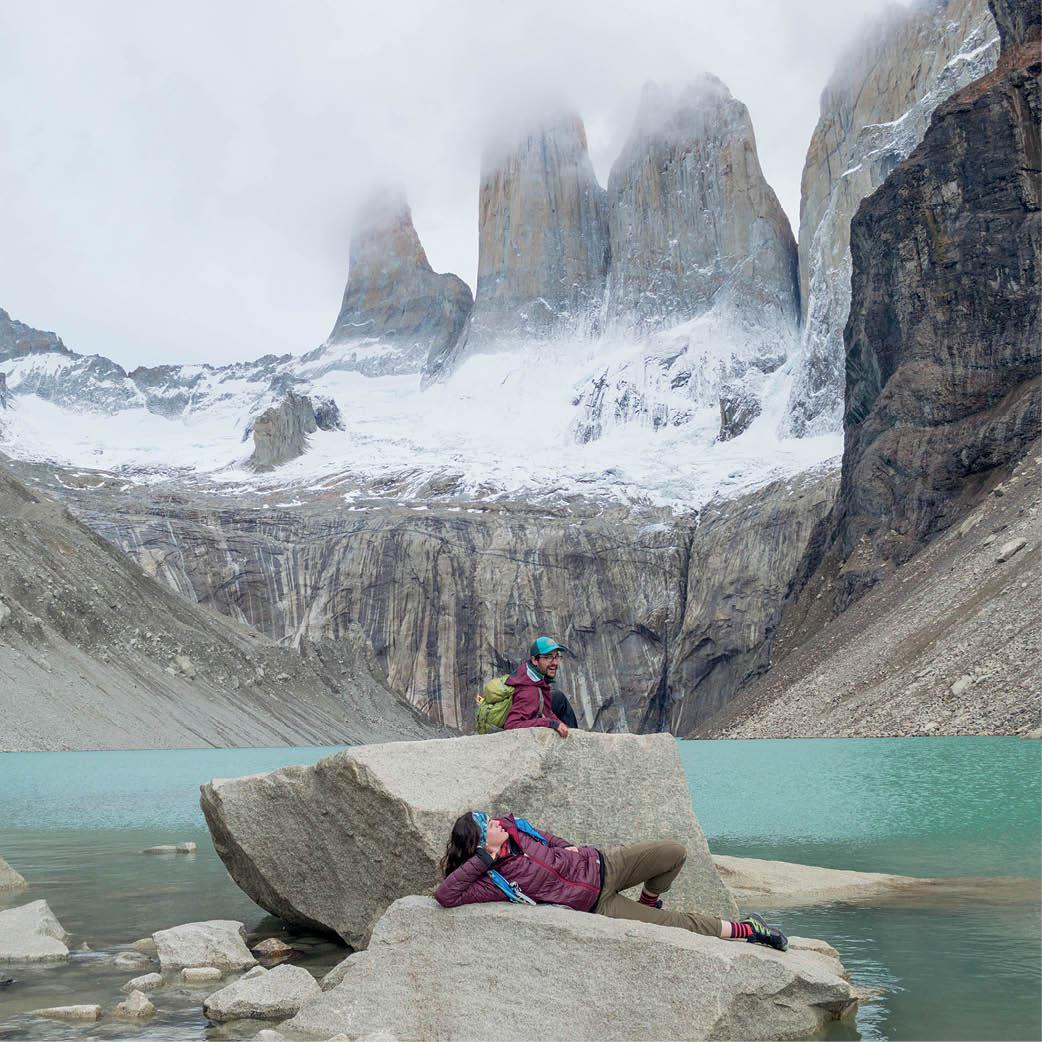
x=494 y=704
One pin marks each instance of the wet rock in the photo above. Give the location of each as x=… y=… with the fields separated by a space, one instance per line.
x=396 y=310
x=339 y=815
x=31 y=933
x=10 y=880
x=874 y=111
x=201 y=974
x=273 y=948
x=131 y=960
x=171 y=848
x=146 y=982
x=1007 y=550
x=217 y=942
x=271 y=995
x=144 y=944
x=716 y=989
x=82 y=1012
x=186 y=848
x=136 y=1006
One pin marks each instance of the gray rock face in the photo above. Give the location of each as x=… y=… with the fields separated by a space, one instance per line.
x=10 y=880
x=667 y=624
x=938 y=397
x=268 y=995
x=692 y=155
x=738 y=408
x=4 y=394
x=89 y=646
x=346 y=819
x=393 y=297
x=543 y=243
x=874 y=111
x=1019 y=22
x=639 y=981
x=280 y=433
x=31 y=933
x=218 y=942
x=17 y=339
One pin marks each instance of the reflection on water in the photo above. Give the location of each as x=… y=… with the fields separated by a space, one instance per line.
x=956 y=960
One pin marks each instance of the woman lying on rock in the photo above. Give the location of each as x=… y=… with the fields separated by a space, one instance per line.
x=506 y=859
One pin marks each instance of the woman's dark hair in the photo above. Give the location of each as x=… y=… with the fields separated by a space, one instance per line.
x=462 y=845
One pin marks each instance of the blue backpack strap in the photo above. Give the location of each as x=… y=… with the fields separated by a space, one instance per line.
x=514 y=893
x=530 y=830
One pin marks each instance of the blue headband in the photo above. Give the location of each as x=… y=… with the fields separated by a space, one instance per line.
x=482 y=819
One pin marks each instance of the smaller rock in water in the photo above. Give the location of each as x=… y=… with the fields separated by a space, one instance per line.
x=269 y=1035
x=135 y=1006
x=217 y=942
x=10 y=880
x=131 y=960
x=84 y=1012
x=144 y=944
x=1007 y=550
x=271 y=995
x=186 y=848
x=146 y=982
x=273 y=948
x=201 y=974
x=962 y=685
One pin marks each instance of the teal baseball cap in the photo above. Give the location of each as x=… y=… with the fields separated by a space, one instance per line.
x=544 y=646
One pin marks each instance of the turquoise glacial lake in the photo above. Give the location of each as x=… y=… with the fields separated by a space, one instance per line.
x=966 y=966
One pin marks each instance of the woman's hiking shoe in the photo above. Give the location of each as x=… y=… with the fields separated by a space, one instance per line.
x=761 y=933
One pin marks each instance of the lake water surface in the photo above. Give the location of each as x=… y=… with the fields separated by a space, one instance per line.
x=966 y=967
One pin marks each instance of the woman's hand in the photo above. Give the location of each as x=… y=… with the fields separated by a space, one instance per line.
x=574 y=850
x=495 y=837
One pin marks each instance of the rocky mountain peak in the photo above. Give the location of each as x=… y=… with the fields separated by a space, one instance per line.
x=393 y=296
x=17 y=340
x=280 y=433
x=543 y=248
x=874 y=111
x=693 y=221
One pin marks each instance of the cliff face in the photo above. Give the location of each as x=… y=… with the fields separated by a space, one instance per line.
x=96 y=655
x=393 y=297
x=692 y=221
x=665 y=617
x=543 y=249
x=874 y=111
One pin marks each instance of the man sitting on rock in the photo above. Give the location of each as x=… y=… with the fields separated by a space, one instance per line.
x=535 y=704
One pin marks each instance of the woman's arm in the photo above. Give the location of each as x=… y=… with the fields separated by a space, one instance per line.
x=469 y=884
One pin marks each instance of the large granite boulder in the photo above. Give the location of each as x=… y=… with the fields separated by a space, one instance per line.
x=874 y=111
x=10 y=880
x=216 y=942
x=334 y=844
x=396 y=308
x=693 y=221
x=543 y=249
x=263 y=995
x=434 y=973
x=280 y=433
x=31 y=933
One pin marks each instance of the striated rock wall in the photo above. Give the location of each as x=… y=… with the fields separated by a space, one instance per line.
x=692 y=221
x=874 y=111
x=543 y=249
x=667 y=615
x=281 y=432
x=4 y=396
x=394 y=297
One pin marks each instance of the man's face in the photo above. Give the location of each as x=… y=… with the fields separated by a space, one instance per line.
x=548 y=664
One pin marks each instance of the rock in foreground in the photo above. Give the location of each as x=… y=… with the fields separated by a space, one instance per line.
x=267 y=995
x=334 y=844
x=218 y=942
x=637 y=981
x=31 y=933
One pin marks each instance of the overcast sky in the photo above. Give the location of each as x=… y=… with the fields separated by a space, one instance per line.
x=177 y=181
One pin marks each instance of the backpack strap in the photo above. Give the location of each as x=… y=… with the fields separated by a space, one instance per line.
x=514 y=893
x=525 y=826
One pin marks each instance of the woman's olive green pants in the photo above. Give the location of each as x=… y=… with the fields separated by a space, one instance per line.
x=655 y=865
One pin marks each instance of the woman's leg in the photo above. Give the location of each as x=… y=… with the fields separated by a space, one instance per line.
x=655 y=865
x=618 y=907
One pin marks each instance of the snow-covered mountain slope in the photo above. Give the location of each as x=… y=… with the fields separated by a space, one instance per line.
x=508 y=424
